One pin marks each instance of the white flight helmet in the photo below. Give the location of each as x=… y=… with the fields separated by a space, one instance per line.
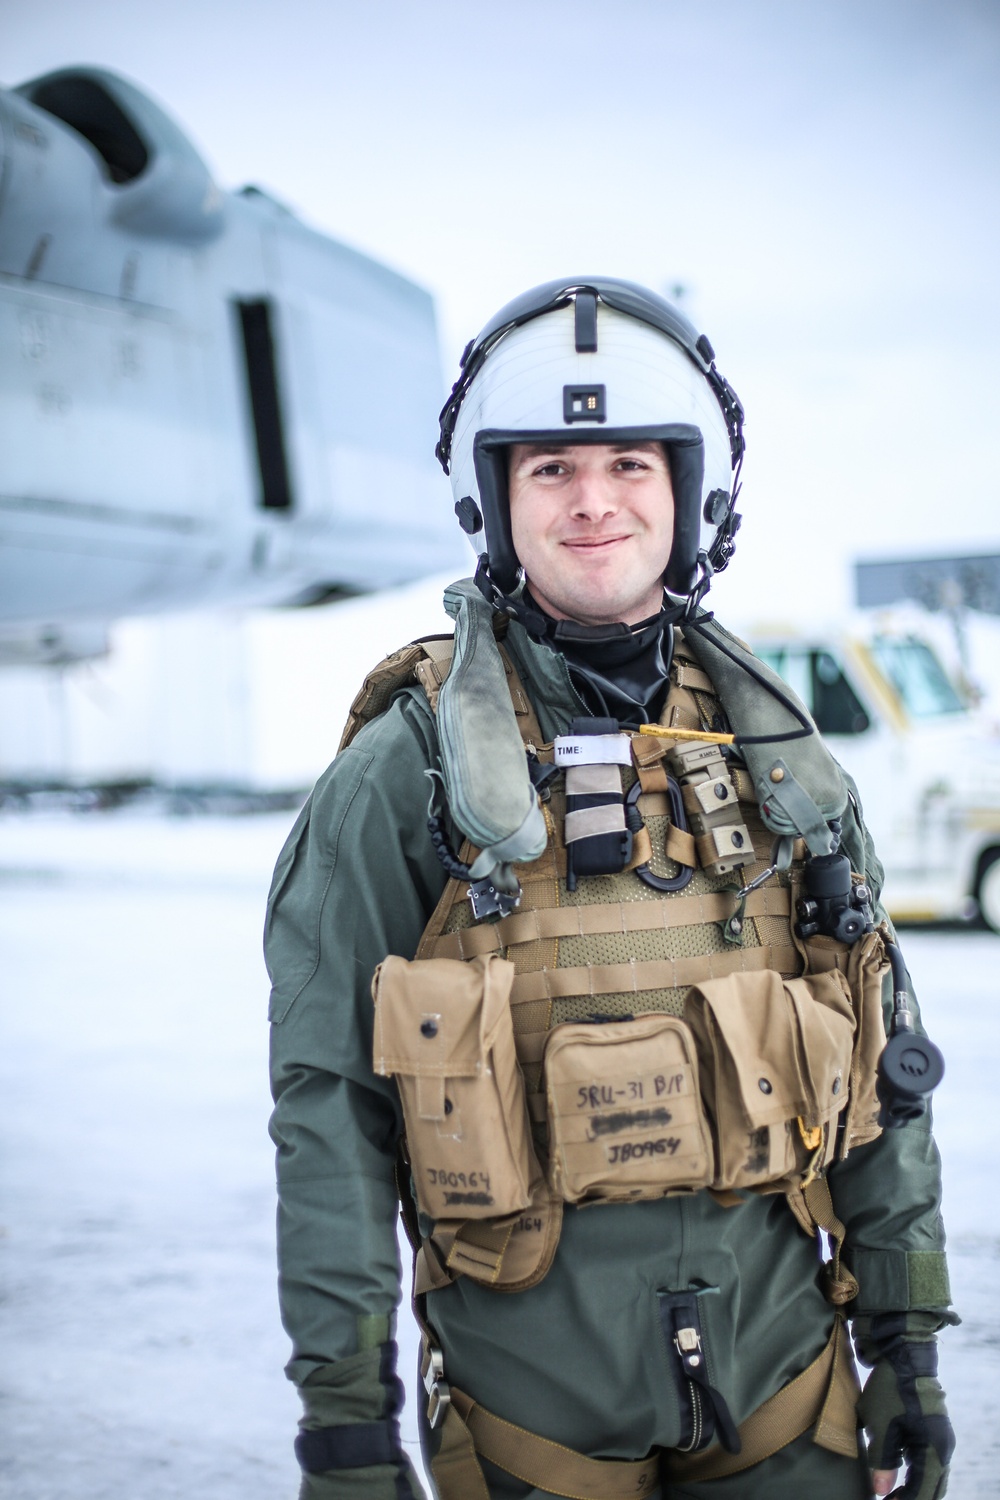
x=593 y=360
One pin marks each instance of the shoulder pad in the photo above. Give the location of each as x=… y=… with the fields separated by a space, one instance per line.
x=424 y=661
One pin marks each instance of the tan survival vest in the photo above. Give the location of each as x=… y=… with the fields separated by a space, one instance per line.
x=609 y=1043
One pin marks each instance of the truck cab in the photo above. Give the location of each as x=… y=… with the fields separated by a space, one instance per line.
x=926 y=759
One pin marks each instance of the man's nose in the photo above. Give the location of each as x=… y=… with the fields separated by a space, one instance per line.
x=593 y=496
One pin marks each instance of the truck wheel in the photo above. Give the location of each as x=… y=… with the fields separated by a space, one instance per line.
x=988 y=891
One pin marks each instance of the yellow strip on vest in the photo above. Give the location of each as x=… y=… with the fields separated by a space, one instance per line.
x=675 y=732
x=617 y=917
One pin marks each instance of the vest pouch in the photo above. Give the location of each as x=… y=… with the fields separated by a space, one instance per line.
x=624 y=1110
x=866 y=969
x=865 y=964
x=775 y=1061
x=443 y=1030
x=509 y=1254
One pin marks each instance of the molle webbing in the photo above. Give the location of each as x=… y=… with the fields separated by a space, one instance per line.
x=613 y=948
x=682 y=910
x=600 y=980
x=616 y=946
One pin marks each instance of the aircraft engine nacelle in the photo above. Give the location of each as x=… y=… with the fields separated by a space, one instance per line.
x=201 y=399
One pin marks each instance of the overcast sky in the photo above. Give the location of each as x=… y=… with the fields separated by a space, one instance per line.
x=821 y=178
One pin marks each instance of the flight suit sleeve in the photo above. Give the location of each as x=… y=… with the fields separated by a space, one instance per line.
x=356 y=880
x=888 y=1192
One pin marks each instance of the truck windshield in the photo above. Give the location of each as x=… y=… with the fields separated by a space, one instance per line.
x=817 y=678
x=917 y=675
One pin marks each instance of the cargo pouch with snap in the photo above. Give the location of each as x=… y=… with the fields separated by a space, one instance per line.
x=624 y=1111
x=865 y=964
x=775 y=1061
x=443 y=1028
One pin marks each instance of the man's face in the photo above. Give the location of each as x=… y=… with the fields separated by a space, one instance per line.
x=592 y=527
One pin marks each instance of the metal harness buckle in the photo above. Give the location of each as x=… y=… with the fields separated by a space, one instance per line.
x=437 y=1388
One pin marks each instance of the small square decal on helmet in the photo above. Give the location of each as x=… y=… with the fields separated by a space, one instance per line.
x=584 y=403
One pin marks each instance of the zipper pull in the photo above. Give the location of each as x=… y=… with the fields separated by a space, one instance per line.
x=709 y=1415
x=687 y=1342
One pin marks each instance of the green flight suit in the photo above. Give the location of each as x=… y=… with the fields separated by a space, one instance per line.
x=581 y=1358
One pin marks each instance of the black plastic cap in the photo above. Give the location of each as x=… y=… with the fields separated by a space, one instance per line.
x=911 y=1065
x=716 y=506
x=828 y=876
x=469 y=515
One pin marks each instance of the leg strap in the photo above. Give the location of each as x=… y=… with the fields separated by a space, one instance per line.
x=455 y=1467
x=534 y=1460
x=823 y=1396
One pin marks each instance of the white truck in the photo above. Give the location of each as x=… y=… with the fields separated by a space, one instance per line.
x=926 y=760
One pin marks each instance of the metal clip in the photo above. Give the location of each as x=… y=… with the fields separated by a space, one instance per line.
x=732 y=928
x=489 y=902
x=781 y=858
x=437 y=1388
x=688 y=1345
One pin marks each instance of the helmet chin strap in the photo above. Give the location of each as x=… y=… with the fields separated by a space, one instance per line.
x=520 y=605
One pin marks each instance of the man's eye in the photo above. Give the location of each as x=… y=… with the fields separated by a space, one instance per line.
x=631 y=463
x=549 y=469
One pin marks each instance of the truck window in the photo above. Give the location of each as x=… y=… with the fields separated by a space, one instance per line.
x=917 y=675
x=817 y=678
x=835 y=705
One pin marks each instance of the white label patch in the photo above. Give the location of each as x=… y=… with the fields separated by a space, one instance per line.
x=593 y=750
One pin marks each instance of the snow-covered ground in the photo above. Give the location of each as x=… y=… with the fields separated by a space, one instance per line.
x=141 y=1350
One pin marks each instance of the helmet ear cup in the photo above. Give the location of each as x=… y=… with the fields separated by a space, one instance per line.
x=491 y=461
x=687 y=471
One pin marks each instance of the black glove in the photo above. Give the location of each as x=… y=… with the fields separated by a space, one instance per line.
x=902 y=1405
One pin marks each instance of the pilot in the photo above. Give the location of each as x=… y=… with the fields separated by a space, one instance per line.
x=577 y=958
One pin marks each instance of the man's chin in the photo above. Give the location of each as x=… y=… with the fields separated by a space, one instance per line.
x=608 y=601
x=601 y=608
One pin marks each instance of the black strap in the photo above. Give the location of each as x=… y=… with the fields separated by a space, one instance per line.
x=359 y=1445
x=681 y=1324
x=356 y=1445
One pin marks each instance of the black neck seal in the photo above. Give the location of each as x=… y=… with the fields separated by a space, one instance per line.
x=620 y=671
